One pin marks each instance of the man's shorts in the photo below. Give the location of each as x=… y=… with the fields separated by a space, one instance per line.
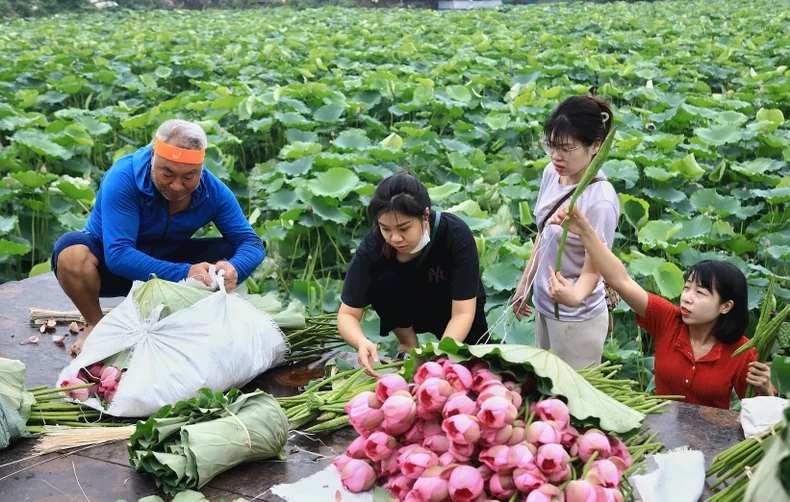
x=210 y=249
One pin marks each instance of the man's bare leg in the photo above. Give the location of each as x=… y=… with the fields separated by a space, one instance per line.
x=78 y=274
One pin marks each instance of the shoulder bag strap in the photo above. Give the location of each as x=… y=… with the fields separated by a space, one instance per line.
x=433 y=238
x=559 y=204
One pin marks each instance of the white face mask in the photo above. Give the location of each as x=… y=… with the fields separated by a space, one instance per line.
x=426 y=238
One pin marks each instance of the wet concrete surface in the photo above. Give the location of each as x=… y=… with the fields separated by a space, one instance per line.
x=104 y=474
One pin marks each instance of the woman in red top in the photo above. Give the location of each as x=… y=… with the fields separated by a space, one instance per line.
x=693 y=342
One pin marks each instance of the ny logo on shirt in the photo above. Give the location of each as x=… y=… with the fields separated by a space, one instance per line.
x=436 y=274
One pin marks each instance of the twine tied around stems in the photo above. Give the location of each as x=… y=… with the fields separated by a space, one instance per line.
x=249 y=439
x=748 y=471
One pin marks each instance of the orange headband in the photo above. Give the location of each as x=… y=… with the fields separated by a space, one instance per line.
x=176 y=154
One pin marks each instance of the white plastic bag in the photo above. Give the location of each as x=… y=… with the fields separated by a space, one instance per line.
x=219 y=342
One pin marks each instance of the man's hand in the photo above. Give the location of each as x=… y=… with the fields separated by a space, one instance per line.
x=231 y=276
x=199 y=272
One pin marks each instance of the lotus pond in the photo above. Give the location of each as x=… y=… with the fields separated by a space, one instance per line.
x=306 y=110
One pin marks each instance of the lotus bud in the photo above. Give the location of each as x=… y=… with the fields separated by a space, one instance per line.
x=390 y=384
x=485 y=471
x=428 y=370
x=357 y=448
x=560 y=476
x=481 y=376
x=465 y=484
x=438 y=443
x=74 y=328
x=462 y=453
x=607 y=494
x=491 y=389
x=546 y=493
x=552 y=458
x=340 y=461
x=502 y=486
x=496 y=412
x=540 y=433
x=399 y=486
x=618 y=453
x=593 y=440
x=443 y=362
x=519 y=433
x=110 y=374
x=459 y=403
x=569 y=436
x=95 y=370
x=400 y=413
x=416 y=460
x=554 y=409
x=497 y=459
x=516 y=399
x=109 y=396
x=414 y=434
x=604 y=473
x=432 y=427
x=520 y=455
x=361 y=415
x=459 y=377
x=380 y=445
x=431 y=486
x=432 y=396
x=94 y=389
x=462 y=429
x=529 y=478
x=446 y=459
x=78 y=394
x=580 y=491
x=389 y=466
x=358 y=476
x=492 y=437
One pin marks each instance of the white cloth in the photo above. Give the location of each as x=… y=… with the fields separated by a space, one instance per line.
x=678 y=476
x=219 y=342
x=760 y=413
x=320 y=487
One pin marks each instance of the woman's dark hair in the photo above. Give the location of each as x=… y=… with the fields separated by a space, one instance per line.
x=400 y=193
x=583 y=118
x=729 y=282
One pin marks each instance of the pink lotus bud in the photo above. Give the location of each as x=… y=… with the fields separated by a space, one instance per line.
x=607 y=494
x=604 y=473
x=110 y=374
x=446 y=459
x=516 y=399
x=618 y=453
x=78 y=394
x=559 y=477
x=95 y=370
x=519 y=433
x=459 y=377
x=432 y=396
x=593 y=440
x=546 y=493
x=358 y=476
x=389 y=466
x=364 y=412
x=540 y=433
x=399 y=485
x=580 y=491
x=477 y=364
x=109 y=396
x=552 y=458
x=569 y=436
x=400 y=413
x=497 y=412
x=416 y=460
x=340 y=461
x=554 y=409
x=390 y=384
x=462 y=452
x=485 y=471
x=528 y=479
x=520 y=455
x=414 y=434
x=497 y=459
x=481 y=377
x=462 y=429
x=492 y=437
x=443 y=362
x=357 y=448
x=428 y=370
x=432 y=427
x=431 y=486
x=465 y=484
x=491 y=389
x=459 y=403
x=380 y=445
x=94 y=389
x=509 y=384
x=502 y=486
x=438 y=443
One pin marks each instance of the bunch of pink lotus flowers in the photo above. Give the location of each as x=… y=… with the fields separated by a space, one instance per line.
x=461 y=433
x=104 y=379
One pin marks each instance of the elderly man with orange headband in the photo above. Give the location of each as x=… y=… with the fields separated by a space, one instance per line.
x=149 y=205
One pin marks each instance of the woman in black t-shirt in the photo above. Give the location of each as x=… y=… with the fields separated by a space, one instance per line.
x=417 y=268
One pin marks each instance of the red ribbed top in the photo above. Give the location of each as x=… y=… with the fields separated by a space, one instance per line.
x=707 y=381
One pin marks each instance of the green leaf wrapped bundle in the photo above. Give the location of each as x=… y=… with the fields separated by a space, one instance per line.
x=187 y=444
x=592 y=171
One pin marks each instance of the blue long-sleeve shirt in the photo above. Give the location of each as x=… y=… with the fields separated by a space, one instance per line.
x=132 y=220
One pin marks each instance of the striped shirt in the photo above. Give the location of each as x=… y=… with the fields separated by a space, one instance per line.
x=707 y=381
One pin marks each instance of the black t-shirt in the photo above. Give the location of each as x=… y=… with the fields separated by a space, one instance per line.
x=404 y=295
